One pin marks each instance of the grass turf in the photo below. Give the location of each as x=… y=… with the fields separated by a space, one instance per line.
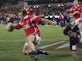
x=11 y=44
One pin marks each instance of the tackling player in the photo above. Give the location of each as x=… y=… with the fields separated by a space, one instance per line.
x=74 y=36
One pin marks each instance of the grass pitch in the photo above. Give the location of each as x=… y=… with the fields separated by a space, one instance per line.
x=11 y=44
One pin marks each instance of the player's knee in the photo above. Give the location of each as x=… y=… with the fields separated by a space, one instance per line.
x=24 y=52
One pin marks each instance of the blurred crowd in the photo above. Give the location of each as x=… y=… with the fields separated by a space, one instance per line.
x=57 y=14
x=6 y=17
x=61 y=18
x=7 y=2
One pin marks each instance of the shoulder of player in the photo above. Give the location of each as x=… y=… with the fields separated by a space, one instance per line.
x=72 y=7
x=30 y=8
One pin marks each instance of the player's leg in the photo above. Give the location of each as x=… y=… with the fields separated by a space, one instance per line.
x=36 y=42
x=73 y=51
x=73 y=48
x=74 y=54
x=32 y=51
x=26 y=49
x=29 y=46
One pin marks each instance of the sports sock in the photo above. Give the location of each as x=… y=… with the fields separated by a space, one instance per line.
x=34 y=52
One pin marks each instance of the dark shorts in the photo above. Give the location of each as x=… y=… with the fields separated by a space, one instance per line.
x=73 y=44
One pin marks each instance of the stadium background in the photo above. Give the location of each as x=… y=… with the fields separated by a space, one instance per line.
x=11 y=43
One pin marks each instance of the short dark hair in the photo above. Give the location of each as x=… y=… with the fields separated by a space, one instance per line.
x=67 y=29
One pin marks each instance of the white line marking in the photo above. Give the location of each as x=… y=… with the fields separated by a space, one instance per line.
x=63 y=46
x=11 y=40
x=49 y=45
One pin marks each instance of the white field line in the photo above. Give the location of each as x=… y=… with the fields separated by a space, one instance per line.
x=12 y=40
x=63 y=46
x=49 y=45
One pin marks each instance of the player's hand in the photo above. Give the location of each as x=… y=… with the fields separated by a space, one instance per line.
x=53 y=22
x=9 y=27
x=14 y=25
x=74 y=34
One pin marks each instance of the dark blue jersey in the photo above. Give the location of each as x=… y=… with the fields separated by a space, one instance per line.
x=76 y=29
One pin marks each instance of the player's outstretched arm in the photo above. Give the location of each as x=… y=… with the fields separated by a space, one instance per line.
x=14 y=25
x=17 y=26
x=48 y=21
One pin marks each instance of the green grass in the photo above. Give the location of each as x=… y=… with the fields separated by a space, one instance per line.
x=11 y=44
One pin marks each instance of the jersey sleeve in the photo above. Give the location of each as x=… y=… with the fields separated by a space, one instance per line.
x=18 y=26
x=24 y=22
x=37 y=19
x=71 y=10
x=30 y=11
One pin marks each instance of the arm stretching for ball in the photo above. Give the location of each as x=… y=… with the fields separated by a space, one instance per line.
x=48 y=21
x=18 y=26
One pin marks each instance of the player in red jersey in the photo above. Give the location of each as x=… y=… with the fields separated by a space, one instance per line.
x=29 y=23
x=27 y=8
x=76 y=12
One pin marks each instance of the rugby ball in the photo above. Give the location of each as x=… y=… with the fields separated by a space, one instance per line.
x=9 y=27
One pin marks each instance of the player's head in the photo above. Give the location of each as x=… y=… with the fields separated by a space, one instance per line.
x=22 y=14
x=75 y=2
x=67 y=30
x=26 y=5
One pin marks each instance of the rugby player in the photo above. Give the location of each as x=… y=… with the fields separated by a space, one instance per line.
x=74 y=35
x=27 y=8
x=29 y=23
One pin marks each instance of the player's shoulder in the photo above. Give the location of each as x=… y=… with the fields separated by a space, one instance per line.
x=30 y=8
x=72 y=7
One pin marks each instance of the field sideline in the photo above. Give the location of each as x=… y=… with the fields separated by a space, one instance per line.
x=11 y=44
